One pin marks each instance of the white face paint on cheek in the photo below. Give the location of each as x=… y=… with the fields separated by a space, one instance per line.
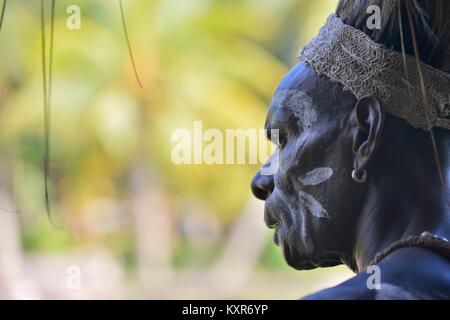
x=312 y=178
x=312 y=205
x=316 y=176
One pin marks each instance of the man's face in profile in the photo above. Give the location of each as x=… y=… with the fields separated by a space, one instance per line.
x=305 y=197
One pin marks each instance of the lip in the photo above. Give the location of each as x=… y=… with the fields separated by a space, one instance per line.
x=276 y=239
x=270 y=221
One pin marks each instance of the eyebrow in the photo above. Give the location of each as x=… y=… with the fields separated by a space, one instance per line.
x=290 y=110
x=276 y=123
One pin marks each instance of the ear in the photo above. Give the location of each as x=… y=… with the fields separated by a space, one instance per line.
x=367 y=120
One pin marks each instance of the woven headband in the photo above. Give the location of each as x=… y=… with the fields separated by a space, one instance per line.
x=347 y=55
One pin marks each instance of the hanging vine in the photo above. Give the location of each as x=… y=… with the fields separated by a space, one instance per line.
x=47 y=78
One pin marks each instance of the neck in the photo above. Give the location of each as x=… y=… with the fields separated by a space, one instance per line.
x=400 y=208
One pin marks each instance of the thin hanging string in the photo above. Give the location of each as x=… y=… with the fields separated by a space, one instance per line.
x=47 y=84
x=426 y=105
x=3 y=13
x=44 y=75
x=49 y=103
x=127 y=38
x=402 y=43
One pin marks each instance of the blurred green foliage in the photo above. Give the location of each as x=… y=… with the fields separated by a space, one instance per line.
x=216 y=61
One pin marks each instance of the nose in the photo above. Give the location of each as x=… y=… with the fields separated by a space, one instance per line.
x=262 y=186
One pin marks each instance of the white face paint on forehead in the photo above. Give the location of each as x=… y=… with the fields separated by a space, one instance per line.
x=299 y=103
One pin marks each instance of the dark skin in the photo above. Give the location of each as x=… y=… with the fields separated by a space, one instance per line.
x=350 y=222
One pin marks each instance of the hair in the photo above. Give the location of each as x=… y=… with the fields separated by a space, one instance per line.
x=404 y=25
x=431 y=25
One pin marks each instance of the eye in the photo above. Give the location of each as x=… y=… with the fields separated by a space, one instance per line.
x=277 y=137
x=282 y=140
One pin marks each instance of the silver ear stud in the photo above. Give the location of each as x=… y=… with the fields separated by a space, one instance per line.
x=359 y=175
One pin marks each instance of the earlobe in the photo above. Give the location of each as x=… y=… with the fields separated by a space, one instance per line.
x=368 y=120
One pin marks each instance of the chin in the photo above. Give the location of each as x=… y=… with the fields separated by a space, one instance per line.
x=292 y=256
x=297 y=258
x=300 y=265
x=304 y=263
x=298 y=262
